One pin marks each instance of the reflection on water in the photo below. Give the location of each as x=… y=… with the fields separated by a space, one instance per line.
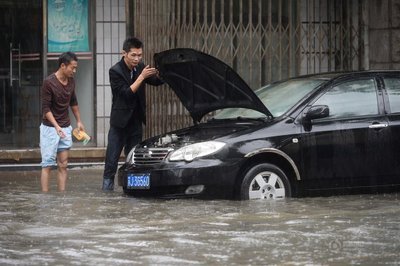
x=85 y=226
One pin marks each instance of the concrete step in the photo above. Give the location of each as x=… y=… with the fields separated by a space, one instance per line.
x=32 y=156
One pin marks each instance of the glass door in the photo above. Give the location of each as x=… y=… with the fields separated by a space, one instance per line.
x=21 y=72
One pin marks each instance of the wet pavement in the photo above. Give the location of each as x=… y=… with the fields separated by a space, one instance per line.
x=85 y=226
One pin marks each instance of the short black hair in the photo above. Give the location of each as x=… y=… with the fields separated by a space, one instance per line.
x=66 y=58
x=132 y=42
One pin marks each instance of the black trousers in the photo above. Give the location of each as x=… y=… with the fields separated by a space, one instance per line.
x=118 y=139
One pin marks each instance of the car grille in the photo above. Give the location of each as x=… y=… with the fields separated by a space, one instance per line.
x=150 y=156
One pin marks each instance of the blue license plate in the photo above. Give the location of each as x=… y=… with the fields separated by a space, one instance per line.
x=138 y=181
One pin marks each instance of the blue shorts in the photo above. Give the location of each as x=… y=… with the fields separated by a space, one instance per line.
x=51 y=144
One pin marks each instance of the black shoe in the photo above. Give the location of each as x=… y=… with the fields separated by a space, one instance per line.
x=108 y=184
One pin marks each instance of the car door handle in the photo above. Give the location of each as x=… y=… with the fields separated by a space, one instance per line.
x=375 y=126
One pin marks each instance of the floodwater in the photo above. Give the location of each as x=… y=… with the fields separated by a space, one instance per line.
x=85 y=226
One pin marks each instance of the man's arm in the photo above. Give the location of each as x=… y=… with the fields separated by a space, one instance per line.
x=155 y=80
x=49 y=116
x=77 y=114
x=119 y=84
x=147 y=72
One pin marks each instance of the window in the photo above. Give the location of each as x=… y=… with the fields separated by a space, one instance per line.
x=393 y=91
x=349 y=99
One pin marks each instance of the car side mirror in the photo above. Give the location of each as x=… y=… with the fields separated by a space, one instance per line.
x=316 y=112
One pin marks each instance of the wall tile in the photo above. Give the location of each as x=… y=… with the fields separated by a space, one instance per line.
x=395 y=13
x=107 y=65
x=395 y=45
x=378 y=13
x=116 y=58
x=380 y=41
x=114 y=11
x=107 y=100
x=99 y=10
x=121 y=8
x=107 y=10
x=99 y=37
x=106 y=129
x=100 y=101
x=107 y=38
x=100 y=139
x=115 y=37
x=122 y=35
x=100 y=69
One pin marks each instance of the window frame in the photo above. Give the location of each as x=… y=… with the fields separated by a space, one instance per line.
x=388 y=106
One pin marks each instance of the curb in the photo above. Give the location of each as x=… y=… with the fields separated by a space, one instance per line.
x=32 y=156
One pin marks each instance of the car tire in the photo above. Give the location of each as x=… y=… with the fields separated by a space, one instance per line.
x=265 y=181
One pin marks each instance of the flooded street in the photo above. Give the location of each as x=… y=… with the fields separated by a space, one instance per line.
x=85 y=226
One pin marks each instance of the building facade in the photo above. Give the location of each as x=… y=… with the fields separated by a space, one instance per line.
x=263 y=40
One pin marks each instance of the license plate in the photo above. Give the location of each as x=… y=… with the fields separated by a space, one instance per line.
x=138 y=181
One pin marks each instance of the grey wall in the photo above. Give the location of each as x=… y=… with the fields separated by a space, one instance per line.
x=384 y=34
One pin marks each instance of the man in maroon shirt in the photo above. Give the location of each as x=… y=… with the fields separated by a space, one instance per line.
x=58 y=94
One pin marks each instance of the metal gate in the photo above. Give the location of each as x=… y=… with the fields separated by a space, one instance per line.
x=263 y=40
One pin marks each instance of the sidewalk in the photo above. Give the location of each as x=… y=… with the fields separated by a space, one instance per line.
x=20 y=158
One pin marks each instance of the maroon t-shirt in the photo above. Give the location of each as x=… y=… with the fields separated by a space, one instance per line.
x=57 y=98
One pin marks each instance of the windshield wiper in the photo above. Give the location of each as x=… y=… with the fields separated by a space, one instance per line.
x=240 y=118
x=262 y=119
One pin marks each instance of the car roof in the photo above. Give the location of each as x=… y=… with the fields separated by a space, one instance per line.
x=344 y=74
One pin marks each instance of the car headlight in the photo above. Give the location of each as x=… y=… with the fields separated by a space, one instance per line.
x=190 y=152
x=130 y=158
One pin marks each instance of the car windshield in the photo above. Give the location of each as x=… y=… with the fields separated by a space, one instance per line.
x=277 y=97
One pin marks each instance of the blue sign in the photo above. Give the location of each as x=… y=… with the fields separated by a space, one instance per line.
x=67 y=26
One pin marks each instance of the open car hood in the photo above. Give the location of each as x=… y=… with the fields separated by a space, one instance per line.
x=204 y=84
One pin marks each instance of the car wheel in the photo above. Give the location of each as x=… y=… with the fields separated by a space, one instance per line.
x=265 y=181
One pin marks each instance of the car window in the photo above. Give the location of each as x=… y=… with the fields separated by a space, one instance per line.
x=353 y=98
x=393 y=90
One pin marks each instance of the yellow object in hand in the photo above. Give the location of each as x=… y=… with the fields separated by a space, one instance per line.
x=81 y=135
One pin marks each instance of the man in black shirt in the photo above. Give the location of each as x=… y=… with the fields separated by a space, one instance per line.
x=128 y=110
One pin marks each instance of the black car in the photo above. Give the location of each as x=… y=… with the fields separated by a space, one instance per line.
x=322 y=134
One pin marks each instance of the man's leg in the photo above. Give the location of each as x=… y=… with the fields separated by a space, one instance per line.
x=134 y=135
x=62 y=162
x=113 y=152
x=44 y=178
x=62 y=157
x=48 y=149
